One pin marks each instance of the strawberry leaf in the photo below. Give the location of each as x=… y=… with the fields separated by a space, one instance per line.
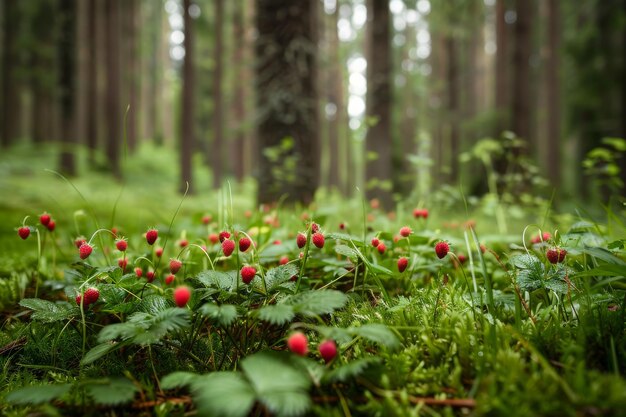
x=225 y=394
x=224 y=314
x=47 y=311
x=38 y=394
x=276 y=314
x=110 y=391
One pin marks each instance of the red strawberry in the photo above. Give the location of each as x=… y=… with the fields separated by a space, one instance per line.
x=417 y=213
x=24 y=232
x=214 y=238
x=158 y=252
x=150 y=276
x=224 y=235
x=298 y=343
x=556 y=255
x=342 y=226
x=247 y=213
x=122 y=263
x=182 y=296
x=301 y=240
x=206 y=219
x=51 y=225
x=138 y=272
x=318 y=239
x=328 y=350
x=315 y=228
x=85 y=250
x=121 y=245
x=283 y=260
x=114 y=231
x=375 y=242
x=405 y=231
x=175 y=265
x=169 y=279
x=462 y=258
x=91 y=296
x=78 y=242
x=44 y=219
x=151 y=236
x=402 y=264
x=277 y=242
x=545 y=236
x=244 y=244
x=441 y=249
x=228 y=246
x=247 y=274
x=183 y=243
x=381 y=248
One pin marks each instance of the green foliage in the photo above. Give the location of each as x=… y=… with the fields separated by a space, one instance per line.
x=47 y=311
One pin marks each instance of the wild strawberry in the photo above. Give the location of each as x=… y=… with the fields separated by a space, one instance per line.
x=315 y=228
x=175 y=265
x=91 y=296
x=318 y=239
x=277 y=242
x=298 y=343
x=121 y=245
x=23 y=232
x=556 y=255
x=51 y=225
x=462 y=258
x=405 y=231
x=78 y=242
x=214 y=238
x=381 y=248
x=402 y=264
x=151 y=236
x=328 y=350
x=158 y=252
x=224 y=235
x=301 y=255
x=138 y=272
x=182 y=296
x=169 y=279
x=44 y=219
x=545 y=236
x=417 y=213
x=375 y=242
x=301 y=240
x=228 y=246
x=247 y=213
x=183 y=243
x=441 y=249
x=114 y=231
x=283 y=260
x=342 y=226
x=244 y=244
x=150 y=276
x=206 y=219
x=396 y=238
x=122 y=263
x=85 y=250
x=247 y=274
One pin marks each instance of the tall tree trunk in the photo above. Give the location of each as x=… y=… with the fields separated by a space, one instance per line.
x=453 y=106
x=132 y=75
x=91 y=115
x=335 y=96
x=553 y=67
x=287 y=99
x=10 y=87
x=67 y=85
x=239 y=105
x=187 y=109
x=502 y=68
x=113 y=107
x=217 y=150
x=521 y=65
x=378 y=141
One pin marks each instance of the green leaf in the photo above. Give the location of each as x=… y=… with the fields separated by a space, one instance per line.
x=38 y=394
x=606 y=270
x=225 y=394
x=617 y=244
x=217 y=279
x=350 y=370
x=99 y=351
x=276 y=276
x=178 y=380
x=47 y=311
x=276 y=314
x=604 y=255
x=531 y=272
x=311 y=303
x=111 y=391
x=347 y=251
x=154 y=303
x=345 y=237
x=124 y=331
x=377 y=333
x=164 y=322
x=224 y=314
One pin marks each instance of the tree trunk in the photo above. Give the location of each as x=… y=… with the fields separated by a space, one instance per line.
x=453 y=106
x=239 y=106
x=287 y=100
x=378 y=140
x=91 y=115
x=10 y=88
x=187 y=109
x=521 y=66
x=335 y=97
x=67 y=85
x=113 y=108
x=217 y=150
x=553 y=67
x=502 y=68
x=132 y=75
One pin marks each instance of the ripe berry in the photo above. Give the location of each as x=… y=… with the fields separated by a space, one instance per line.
x=158 y=252
x=175 y=265
x=342 y=226
x=138 y=272
x=78 y=242
x=23 y=232
x=121 y=245
x=301 y=240
x=545 y=236
x=228 y=246
x=247 y=274
x=462 y=258
x=151 y=236
x=405 y=231
x=44 y=219
x=328 y=350
x=315 y=228
x=375 y=242
x=51 y=225
x=114 y=231
x=182 y=296
x=381 y=248
x=91 y=296
x=283 y=260
x=244 y=244
x=402 y=264
x=169 y=279
x=318 y=239
x=441 y=249
x=122 y=263
x=214 y=238
x=224 y=235
x=206 y=219
x=277 y=242
x=85 y=250
x=183 y=243
x=556 y=255
x=150 y=276
x=298 y=343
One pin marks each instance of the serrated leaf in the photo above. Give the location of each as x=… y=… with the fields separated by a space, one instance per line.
x=224 y=314
x=276 y=276
x=311 y=303
x=47 y=311
x=531 y=272
x=345 y=237
x=606 y=270
x=377 y=333
x=217 y=279
x=556 y=285
x=225 y=394
x=99 y=351
x=350 y=370
x=38 y=394
x=178 y=380
x=154 y=303
x=164 y=322
x=111 y=391
x=347 y=251
x=124 y=331
x=276 y=314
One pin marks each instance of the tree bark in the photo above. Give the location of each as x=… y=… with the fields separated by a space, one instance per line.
x=553 y=66
x=91 y=115
x=187 y=108
x=10 y=88
x=239 y=106
x=502 y=69
x=378 y=140
x=113 y=107
x=335 y=96
x=453 y=106
x=521 y=66
x=287 y=100
x=67 y=85
x=217 y=150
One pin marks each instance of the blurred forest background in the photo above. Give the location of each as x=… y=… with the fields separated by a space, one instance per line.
x=401 y=98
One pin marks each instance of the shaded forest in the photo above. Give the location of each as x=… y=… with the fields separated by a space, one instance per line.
x=399 y=98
